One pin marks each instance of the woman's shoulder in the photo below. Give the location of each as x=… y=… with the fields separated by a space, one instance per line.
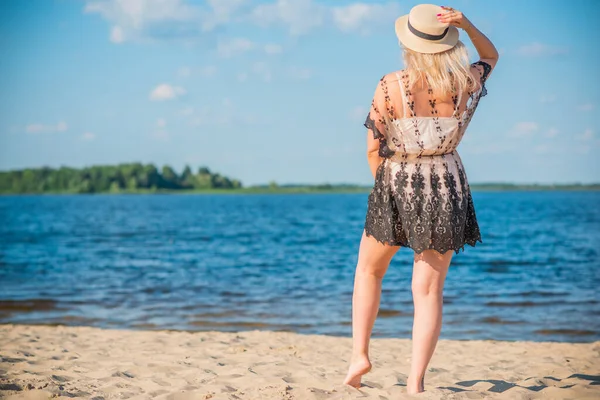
x=391 y=77
x=394 y=75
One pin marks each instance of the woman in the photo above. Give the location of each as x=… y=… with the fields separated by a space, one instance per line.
x=421 y=197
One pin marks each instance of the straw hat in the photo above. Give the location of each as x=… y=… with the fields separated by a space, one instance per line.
x=420 y=30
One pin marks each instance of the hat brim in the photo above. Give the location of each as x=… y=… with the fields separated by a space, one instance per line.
x=409 y=40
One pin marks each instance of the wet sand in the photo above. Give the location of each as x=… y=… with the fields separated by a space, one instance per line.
x=40 y=362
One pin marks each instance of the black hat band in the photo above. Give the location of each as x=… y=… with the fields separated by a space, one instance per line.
x=424 y=35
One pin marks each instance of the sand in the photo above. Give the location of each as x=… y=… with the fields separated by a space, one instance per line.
x=39 y=362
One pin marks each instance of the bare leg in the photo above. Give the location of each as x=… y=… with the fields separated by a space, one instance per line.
x=373 y=261
x=429 y=273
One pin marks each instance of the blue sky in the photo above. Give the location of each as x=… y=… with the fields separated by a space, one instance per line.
x=279 y=89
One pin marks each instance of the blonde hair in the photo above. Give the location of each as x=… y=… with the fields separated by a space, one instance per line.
x=446 y=71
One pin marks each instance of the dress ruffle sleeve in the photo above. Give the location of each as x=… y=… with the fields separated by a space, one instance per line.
x=375 y=120
x=484 y=70
x=379 y=116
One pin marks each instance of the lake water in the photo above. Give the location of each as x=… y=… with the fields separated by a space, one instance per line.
x=287 y=262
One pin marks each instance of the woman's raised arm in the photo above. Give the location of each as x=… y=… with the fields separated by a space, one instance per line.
x=484 y=46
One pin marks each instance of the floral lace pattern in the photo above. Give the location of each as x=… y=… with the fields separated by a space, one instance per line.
x=421 y=197
x=487 y=68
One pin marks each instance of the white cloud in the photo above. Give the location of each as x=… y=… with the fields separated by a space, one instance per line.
x=149 y=19
x=587 y=135
x=586 y=107
x=537 y=49
x=225 y=7
x=165 y=91
x=489 y=148
x=204 y=72
x=184 y=72
x=188 y=21
x=186 y=111
x=552 y=132
x=300 y=73
x=588 y=141
x=263 y=71
x=237 y=46
x=544 y=148
x=41 y=128
x=222 y=12
x=208 y=71
x=161 y=134
x=273 y=49
x=549 y=147
x=200 y=120
x=358 y=113
x=221 y=114
x=583 y=149
x=362 y=17
x=117 y=35
x=524 y=128
x=234 y=47
x=88 y=136
x=297 y=16
x=140 y=12
x=548 y=98
x=61 y=127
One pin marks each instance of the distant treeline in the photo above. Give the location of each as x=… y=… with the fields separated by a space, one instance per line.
x=534 y=186
x=146 y=178
x=116 y=178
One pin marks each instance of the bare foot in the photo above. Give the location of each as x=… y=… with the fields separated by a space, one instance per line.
x=414 y=387
x=358 y=367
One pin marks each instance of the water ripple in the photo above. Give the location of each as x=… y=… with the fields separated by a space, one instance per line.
x=287 y=262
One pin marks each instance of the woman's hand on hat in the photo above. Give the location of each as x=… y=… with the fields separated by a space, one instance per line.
x=454 y=17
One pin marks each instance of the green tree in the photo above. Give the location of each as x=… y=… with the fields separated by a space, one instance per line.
x=187 y=177
x=203 y=170
x=110 y=178
x=170 y=180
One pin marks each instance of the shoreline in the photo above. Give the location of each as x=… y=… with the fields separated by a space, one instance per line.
x=39 y=361
x=318 y=189
x=261 y=327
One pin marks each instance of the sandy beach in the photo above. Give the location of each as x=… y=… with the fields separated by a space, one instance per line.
x=39 y=362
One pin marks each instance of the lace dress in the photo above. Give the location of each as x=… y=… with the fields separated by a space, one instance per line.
x=421 y=197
